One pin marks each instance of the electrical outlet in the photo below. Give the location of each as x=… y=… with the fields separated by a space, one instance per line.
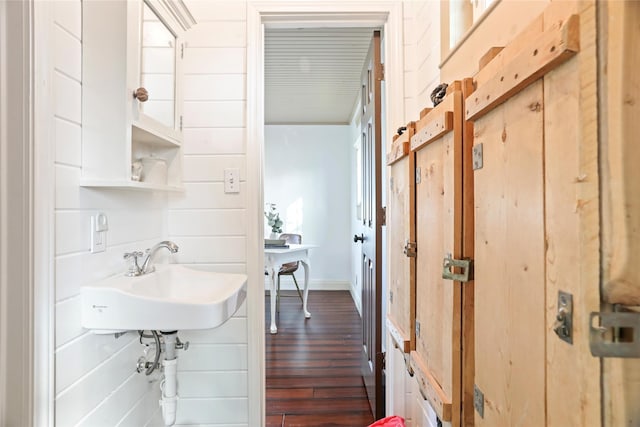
x=98 y=232
x=232 y=180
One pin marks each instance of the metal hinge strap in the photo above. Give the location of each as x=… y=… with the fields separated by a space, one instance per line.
x=410 y=249
x=478 y=161
x=478 y=400
x=181 y=50
x=383 y=215
x=449 y=265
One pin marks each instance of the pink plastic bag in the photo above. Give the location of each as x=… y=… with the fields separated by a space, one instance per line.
x=394 y=421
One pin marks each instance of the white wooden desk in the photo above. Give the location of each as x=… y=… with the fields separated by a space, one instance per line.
x=273 y=260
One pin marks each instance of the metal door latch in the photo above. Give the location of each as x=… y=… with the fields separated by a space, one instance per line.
x=563 y=326
x=616 y=335
x=449 y=265
x=410 y=249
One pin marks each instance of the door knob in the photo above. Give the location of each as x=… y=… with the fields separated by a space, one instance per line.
x=357 y=238
x=141 y=94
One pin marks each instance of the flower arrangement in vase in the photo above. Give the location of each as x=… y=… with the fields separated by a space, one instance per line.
x=274 y=221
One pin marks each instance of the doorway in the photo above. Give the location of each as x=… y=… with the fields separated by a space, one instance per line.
x=387 y=15
x=313 y=80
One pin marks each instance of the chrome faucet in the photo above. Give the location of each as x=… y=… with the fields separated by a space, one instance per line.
x=147 y=266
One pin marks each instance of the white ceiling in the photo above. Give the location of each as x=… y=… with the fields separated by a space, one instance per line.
x=312 y=75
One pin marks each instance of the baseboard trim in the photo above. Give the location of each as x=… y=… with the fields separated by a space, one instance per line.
x=286 y=284
x=356 y=299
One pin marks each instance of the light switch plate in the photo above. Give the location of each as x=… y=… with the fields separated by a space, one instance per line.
x=232 y=180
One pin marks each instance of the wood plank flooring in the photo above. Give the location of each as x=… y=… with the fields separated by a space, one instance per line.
x=313 y=365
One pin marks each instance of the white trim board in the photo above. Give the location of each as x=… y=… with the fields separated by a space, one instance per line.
x=26 y=217
x=385 y=14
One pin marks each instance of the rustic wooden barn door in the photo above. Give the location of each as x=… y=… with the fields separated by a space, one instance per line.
x=535 y=211
x=441 y=270
x=401 y=207
x=372 y=356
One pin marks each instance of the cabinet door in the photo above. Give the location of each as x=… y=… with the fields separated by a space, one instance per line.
x=439 y=302
x=401 y=232
x=510 y=260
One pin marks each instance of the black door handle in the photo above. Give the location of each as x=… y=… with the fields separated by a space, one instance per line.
x=357 y=238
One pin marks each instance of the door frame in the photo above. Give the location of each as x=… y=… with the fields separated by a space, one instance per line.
x=27 y=323
x=287 y=14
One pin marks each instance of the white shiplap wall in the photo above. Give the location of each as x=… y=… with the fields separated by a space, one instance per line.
x=95 y=381
x=422 y=75
x=421 y=55
x=209 y=225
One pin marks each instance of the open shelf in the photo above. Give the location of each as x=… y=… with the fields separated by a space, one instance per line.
x=133 y=185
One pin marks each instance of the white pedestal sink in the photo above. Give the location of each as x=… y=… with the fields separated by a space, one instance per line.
x=174 y=297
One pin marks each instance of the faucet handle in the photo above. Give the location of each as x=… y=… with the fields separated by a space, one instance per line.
x=134 y=268
x=134 y=255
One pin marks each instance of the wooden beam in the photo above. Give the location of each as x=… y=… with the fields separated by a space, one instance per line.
x=403 y=343
x=438 y=125
x=489 y=56
x=424 y=112
x=430 y=389
x=399 y=146
x=550 y=49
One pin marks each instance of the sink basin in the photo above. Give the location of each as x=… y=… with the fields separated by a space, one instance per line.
x=174 y=297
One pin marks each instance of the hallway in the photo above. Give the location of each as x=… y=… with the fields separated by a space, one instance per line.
x=313 y=366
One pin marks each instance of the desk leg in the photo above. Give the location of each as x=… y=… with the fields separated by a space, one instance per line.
x=305 y=298
x=272 y=295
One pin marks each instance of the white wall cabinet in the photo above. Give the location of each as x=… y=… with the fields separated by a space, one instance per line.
x=129 y=45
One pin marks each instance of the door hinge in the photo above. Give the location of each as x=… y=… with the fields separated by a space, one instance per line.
x=477 y=157
x=417 y=328
x=181 y=50
x=563 y=326
x=382 y=73
x=616 y=335
x=383 y=215
x=180 y=123
x=478 y=400
x=410 y=249
x=418 y=175
x=451 y=269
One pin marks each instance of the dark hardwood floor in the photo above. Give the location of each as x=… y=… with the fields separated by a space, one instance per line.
x=313 y=365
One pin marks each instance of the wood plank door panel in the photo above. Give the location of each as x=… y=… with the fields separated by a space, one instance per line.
x=510 y=262
x=437 y=358
x=401 y=232
x=438 y=310
x=372 y=356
